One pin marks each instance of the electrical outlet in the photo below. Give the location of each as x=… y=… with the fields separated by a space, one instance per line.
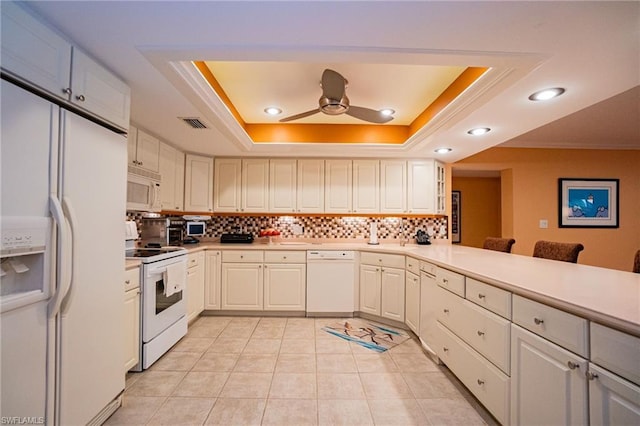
x=544 y=223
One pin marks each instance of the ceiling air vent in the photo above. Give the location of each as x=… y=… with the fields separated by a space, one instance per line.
x=194 y=122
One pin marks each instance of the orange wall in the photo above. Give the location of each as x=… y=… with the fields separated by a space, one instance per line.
x=533 y=193
x=480 y=209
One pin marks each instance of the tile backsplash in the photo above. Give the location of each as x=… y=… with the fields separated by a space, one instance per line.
x=322 y=226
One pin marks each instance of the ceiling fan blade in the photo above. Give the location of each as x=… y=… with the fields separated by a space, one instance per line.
x=299 y=116
x=333 y=84
x=367 y=114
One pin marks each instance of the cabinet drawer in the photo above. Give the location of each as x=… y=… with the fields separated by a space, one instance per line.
x=429 y=268
x=567 y=330
x=277 y=256
x=449 y=309
x=242 y=256
x=195 y=259
x=484 y=380
x=451 y=281
x=616 y=351
x=382 y=259
x=131 y=279
x=492 y=298
x=412 y=265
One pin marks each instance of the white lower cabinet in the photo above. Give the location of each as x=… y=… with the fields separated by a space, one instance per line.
x=548 y=383
x=412 y=302
x=242 y=286
x=382 y=285
x=370 y=285
x=131 y=318
x=212 y=269
x=195 y=285
x=392 y=289
x=612 y=399
x=284 y=287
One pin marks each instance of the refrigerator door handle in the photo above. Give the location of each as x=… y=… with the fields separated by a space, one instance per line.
x=71 y=217
x=62 y=268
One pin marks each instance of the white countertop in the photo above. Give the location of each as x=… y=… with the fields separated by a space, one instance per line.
x=607 y=296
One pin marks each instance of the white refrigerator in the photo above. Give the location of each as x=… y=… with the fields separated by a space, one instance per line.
x=61 y=350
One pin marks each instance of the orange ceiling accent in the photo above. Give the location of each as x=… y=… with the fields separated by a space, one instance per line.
x=343 y=133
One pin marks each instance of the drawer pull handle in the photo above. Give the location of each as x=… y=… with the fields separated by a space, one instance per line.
x=538 y=321
x=410 y=266
x=127 y=281
x=480 y=333
x=573 y=365
x=284 y=257
x=480 y=382
x=446 y=311
x=481 y=296
x=445 y=349
x=445 y=281
x=591 y=375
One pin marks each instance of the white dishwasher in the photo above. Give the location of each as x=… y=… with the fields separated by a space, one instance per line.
x=331 y=283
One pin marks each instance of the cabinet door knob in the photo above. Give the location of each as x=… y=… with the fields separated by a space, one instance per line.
x=444 y=280
x=538 y=321
x=81 y=98
x=480 y=382
x=591 y=375
x=480 y=333
x=446 y=311
x=284 y=257
x=127 y=281
x=66 y=90
x=573 y=365
x=481 y=296
x=445 y=349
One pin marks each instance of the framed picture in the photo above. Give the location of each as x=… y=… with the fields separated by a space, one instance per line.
x=588 y=203
x=456 y=201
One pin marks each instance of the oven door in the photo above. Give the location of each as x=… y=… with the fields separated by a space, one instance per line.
x=159 y=312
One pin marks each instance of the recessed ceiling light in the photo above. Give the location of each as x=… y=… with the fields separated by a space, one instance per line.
x=546 y=94
x=443 y=150
x=479 y=131
x=387 y=111
x=273 y=111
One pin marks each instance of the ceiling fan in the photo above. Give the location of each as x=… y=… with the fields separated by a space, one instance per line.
x=334 y=101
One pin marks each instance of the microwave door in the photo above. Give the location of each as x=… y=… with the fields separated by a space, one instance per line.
x=138 y=195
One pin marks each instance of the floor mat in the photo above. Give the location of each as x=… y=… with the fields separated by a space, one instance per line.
x=372 y=336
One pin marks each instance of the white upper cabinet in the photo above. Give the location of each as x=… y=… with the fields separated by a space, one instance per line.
x=227 y=184
x=282 y=186
x=366 y=186
x=255 y=185
x=338 y=186
x=421 y=186
x=310 y=193
x=393 y=186
x=39 y=56
x=172 y=173
x=198 y=176
x=143 y=150
x=33 y=52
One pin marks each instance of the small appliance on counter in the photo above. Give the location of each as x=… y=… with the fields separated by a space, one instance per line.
x=236 y=238
x=422 y=237
x=194 y=229
x=174 y=231
x=131 y=234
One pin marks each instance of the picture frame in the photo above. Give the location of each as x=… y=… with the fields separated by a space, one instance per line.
x=456 y=203
x=588 y=203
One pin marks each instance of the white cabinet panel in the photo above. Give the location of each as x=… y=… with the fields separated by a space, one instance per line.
x=282 y=186
x=34 y=52
x=131 y=331
x=198 y=195
x=255 y=185
x=195 y=285
x=548 y=383
x=366 y=186
x=393 y=186
x=338 y=186
x=242 y=286
x=284 y=287
x=171 y=169
x=392 y=299
x=616 y=351
x=310 y=182
x=412 y=301
x=612 y=400
x=421 y=189
x=370 y=289
x=227 y=184
x=213 y=275
x=99 y=91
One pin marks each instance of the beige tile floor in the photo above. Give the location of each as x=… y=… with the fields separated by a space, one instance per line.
x=287 y=371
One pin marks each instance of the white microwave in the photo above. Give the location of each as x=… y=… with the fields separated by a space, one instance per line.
x=143 y=193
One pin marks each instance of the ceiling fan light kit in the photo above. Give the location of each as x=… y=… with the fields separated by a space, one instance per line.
x=334 y=101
